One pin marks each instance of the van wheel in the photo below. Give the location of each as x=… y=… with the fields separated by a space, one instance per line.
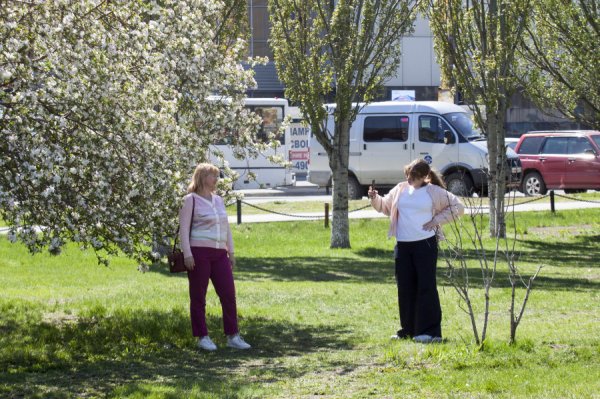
x=533 y=184
x=355 y=190
x=459 y=184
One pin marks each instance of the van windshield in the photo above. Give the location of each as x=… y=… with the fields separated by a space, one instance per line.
x=464 y=125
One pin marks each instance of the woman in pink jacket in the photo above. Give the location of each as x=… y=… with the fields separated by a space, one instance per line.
x=207 y=248
x=417 y=207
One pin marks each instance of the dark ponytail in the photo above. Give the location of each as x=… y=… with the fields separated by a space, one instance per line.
x=419 y=168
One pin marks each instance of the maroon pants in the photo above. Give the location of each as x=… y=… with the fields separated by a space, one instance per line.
x=211 y=264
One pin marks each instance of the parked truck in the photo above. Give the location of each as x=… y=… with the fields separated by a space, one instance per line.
x=388 y=135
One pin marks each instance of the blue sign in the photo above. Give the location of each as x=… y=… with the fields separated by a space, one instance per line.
x=428 y=159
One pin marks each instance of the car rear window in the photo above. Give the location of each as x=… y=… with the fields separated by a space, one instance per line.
x=531 y=145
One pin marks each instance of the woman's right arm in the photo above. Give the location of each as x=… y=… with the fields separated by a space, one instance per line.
x=383 y=204
x=185 y=217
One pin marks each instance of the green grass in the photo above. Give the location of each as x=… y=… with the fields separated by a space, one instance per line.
x=319 y=321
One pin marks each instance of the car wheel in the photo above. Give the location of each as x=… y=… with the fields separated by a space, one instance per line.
x=533 y=184
x=355 y=190
x=459 y=184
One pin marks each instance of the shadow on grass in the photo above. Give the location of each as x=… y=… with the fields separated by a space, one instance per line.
x=541 y=282
x=581 y=251
x=376 y=265
x=130 y=352
x=315 y=269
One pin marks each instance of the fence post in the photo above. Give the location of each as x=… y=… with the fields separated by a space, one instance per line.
x=552 y=201
x=239 y=211
x=326 y=215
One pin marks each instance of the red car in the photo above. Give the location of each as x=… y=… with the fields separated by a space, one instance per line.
x=566 y=160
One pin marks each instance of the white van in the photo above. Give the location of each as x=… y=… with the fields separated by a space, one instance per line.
x=388 y=135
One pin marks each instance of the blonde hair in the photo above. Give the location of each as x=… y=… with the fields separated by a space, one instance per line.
x=201 y=171
x=419 y=168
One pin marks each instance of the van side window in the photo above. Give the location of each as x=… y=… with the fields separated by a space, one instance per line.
x=272 y=119
x=385 y=128
x=531 y=145
x=555 y=145
x=579 y=145
x=431 y=129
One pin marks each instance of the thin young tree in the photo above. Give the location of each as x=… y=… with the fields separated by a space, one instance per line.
x=343 y=50
x=466 y=247
x=476 y=41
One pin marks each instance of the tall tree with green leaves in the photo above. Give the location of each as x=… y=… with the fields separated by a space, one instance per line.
x=562 y=46
x=344 y=49
x=476 y=41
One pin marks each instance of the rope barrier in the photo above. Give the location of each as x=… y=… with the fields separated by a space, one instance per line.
x=319 y=217
x=576 y=199
x=510 y=204
x=531 y=200
x=298 y=216
x=281 y=213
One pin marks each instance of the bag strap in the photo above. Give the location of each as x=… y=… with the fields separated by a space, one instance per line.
x=191 y=221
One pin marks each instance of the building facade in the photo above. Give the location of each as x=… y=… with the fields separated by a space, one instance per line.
x=418 y=76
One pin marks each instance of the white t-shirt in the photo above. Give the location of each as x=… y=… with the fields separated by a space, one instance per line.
x=415 y=208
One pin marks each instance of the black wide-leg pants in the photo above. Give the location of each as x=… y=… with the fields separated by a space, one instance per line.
x=418 y=299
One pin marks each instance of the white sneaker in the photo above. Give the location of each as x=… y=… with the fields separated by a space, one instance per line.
x=235 y=341
x=207 y=344
x=427 y=339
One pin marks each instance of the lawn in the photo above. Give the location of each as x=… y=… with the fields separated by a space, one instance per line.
x=319 y=321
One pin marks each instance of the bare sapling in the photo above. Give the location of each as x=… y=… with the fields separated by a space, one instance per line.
x=465 y=238
x=516 y=279
x=465 y=247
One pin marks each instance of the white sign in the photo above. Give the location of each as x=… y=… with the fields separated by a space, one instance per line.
x=403 y=95
x=298 y=146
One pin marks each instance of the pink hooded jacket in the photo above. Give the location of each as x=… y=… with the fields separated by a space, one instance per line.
x=446 y=206
x=209 y=224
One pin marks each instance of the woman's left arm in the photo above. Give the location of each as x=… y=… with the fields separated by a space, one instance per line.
x=230 y=249
x=449 y=207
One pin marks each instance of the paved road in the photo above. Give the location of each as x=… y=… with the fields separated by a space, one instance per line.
x=305 y=191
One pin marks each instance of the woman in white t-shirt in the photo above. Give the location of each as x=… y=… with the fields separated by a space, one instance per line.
x=417 y=207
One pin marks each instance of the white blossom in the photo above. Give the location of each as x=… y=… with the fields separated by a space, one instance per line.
x=104 y=114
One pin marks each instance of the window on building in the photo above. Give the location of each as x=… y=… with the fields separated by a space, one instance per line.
x=258 y=16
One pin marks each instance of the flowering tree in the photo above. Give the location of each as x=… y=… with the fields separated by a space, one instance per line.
x=104 y=112
x=344 y=49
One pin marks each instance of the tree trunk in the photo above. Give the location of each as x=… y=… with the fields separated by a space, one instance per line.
x=497 y=170
x=338 y=162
